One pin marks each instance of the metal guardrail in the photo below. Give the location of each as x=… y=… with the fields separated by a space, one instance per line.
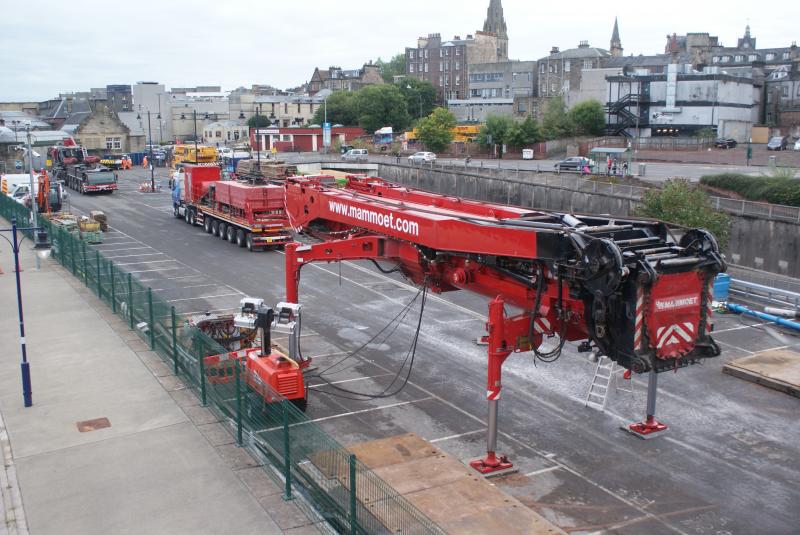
x=752 y=292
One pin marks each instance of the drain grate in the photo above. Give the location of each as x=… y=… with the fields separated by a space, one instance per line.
x=93 y=425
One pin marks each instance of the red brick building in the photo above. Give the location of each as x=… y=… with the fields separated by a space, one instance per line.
x=300 y=139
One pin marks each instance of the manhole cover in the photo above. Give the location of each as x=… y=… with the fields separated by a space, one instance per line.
x=93 y=425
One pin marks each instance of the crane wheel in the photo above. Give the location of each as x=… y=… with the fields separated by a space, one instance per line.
x=214 y=227
x=249 y=242
x=221 y=230
x=207 y=225
x=232 y=234
x=241 y=238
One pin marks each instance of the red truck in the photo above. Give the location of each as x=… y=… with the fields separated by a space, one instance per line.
x=249 y=214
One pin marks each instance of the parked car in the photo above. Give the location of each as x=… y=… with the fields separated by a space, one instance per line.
x=725 y=143
x=778 y=143
x=797 y=145
x=355 y=155
x=223 y=152
x=422 y=157
x=346 y=148
x=573 y=163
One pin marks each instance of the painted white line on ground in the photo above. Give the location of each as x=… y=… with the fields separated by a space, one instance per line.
x=116 y=243
x=151 y=270
x=183 y=287
x=123 y=249
x=201 y=297
x=317 y=385
x=132 y=255
x=334 y=354
x=741 y=327
x=170 y=278
x=146 y=262
x=450 y=437
x=543 y=471
x=379 y=408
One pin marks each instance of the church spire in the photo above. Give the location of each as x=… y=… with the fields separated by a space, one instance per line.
x=496 y=24
x=616 y=44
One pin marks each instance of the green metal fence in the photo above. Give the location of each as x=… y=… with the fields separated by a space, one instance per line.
x=347 y=494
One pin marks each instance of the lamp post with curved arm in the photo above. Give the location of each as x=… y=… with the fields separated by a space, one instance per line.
x=43 y=249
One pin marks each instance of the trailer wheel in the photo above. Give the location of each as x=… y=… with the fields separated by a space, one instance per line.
x=214 y=227
x=222 y=229
x=207 y=225
x=192 y=218
x=186 y=215
x=232 y=234
x=176 y=211
x=249 y=241
x=241 y=238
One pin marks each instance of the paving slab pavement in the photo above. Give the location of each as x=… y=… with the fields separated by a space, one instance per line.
x=164 y=465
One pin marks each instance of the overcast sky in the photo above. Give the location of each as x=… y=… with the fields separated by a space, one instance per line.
x=47 y=47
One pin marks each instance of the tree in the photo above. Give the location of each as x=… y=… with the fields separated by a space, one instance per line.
x=377 y=106
x=436 y=130
x=679 y=203
x=394 y=67
x=588 y=117
x=556 y=123
x=523 y=133
x=420 y=96
x=341 y=110
x=258 y=121
x=495 y=131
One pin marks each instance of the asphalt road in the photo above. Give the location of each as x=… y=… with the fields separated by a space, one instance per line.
x=727 y=465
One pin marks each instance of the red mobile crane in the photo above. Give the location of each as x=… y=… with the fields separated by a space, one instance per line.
x=623 y=287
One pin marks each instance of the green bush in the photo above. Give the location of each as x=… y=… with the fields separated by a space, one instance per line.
x=679 y=203
x=773 y=189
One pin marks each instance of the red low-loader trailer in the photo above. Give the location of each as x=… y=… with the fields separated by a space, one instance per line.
x=249 y=214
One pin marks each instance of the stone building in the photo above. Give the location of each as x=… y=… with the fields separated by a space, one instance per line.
x=100 y=131
x=119 y=97
x=560 y=73
x=616 y=44
x=338 y=79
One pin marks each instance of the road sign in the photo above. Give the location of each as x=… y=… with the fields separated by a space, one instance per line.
x=326 y=134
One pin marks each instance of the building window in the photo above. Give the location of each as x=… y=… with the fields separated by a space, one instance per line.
x=785 y=91
x=447 y=52
x=458 y=81
x=541 y=68
x=770 y=56
x=458 y=51
x=447 y=65
x=229 y=136
x=726 y=59
x=441 y=67
x=426 y=53
x=567 y=65
x=566 y=85
x=411 y=54
x=738 y=58
x=752 y=57
x=286 y=109
x=715 y=59
x=441 y=82
x=587 y=64
x=441 y=53
x=426 y=67
x=521 y=108
x=785 y=55
x=553 y=88
x=410 y=67
x=458 y=65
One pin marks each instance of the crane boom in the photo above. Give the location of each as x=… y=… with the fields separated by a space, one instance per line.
x=623 y=287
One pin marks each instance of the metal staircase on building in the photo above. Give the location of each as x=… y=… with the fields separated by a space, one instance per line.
x=625 y=118
x=605 y=372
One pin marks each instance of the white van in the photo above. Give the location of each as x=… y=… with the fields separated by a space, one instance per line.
x=9 y=183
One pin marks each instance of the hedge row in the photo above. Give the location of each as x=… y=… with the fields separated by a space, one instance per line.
x=756 y=188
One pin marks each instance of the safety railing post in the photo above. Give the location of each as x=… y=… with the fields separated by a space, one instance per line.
x=353 y=501
x=83 y=257
x=237 y=365
x=99 y=278
x=174 y=340
x=201 y=365
x=113 y=287
x=72 y=255
x=152 y=326
x=287 y=453
x=130 y=300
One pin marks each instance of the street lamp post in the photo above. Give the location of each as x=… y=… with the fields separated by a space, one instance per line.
x=258 y=139
x=150 y=146
x=160 y=133
x=196 y=155
x=44 y=248
x=34 y=207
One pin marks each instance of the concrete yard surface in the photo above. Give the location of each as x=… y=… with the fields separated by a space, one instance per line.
x=778 y=369
x=152 y=470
